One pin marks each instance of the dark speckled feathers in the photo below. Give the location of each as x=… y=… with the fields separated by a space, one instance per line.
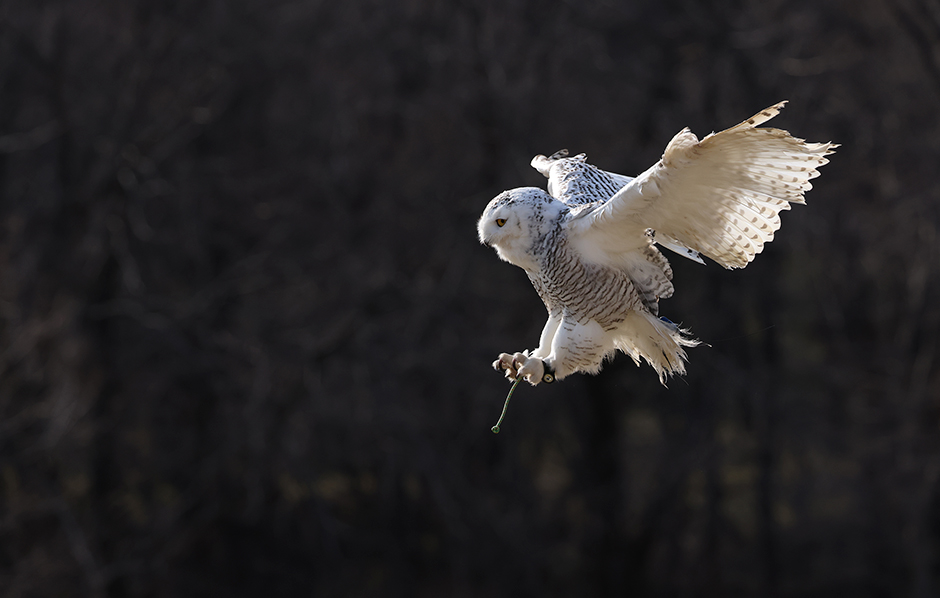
x=575 y=182
x=572 y=287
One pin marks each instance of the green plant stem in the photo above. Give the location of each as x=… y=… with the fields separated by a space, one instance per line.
x=495 y=428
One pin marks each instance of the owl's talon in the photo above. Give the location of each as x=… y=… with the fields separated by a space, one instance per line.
x=520 y=364
x=532 y=369
x=506 y=362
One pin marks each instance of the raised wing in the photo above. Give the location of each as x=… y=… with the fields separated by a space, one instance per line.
x=574 y=181
x=720 y=196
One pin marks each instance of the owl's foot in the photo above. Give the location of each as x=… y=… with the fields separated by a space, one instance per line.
x=510 y=364
x=532 y=369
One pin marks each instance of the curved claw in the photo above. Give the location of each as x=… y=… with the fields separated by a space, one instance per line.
x=521 y=364
x=506 y=362
x=532 y=370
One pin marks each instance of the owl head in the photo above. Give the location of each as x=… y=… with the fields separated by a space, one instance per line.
x=514 y=220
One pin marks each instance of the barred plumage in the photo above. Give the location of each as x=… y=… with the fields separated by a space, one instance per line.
x=588 y=245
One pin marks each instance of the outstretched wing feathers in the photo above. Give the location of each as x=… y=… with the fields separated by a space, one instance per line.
x=720 y=196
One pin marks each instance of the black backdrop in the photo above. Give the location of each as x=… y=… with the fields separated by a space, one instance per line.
x=247 y=327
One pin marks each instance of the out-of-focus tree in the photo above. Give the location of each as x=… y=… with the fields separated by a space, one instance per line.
x=246 y=325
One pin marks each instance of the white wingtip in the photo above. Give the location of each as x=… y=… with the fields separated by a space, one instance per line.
x=544 y=165
x=766 y=114
x=761 y=117
x=682 y=250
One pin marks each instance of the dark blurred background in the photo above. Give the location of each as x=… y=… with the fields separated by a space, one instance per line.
x=247 y=327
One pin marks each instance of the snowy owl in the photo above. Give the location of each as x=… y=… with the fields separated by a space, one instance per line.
x=589 y=244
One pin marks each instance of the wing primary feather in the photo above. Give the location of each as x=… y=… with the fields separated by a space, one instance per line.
x=680 y=249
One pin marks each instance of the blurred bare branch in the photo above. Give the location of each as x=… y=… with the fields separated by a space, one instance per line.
x=245 y=323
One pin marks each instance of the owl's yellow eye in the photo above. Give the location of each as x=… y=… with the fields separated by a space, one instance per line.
x=500 y=221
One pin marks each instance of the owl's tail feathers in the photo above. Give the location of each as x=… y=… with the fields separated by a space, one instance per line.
x=658 y=341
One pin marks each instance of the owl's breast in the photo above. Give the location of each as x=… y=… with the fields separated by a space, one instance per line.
x=581 y=290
